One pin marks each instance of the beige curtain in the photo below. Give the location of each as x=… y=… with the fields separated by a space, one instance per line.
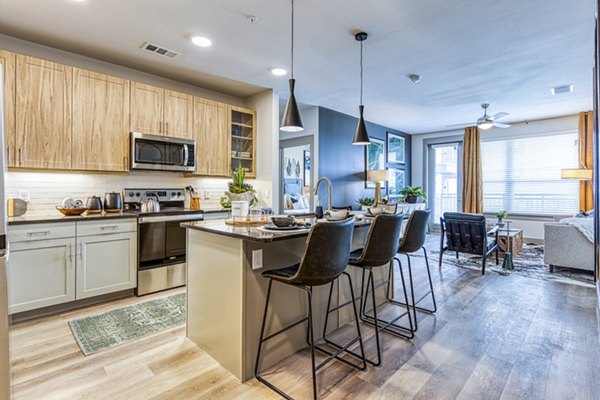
x=586 y=158
x=472 y=191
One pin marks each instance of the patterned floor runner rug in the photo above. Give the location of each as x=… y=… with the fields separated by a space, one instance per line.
x=121 y=325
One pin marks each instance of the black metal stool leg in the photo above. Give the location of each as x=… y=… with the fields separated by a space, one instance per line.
x=262 y=330
x=384 y=325
x=430 y=284
x=312 y=341
x=345 y=348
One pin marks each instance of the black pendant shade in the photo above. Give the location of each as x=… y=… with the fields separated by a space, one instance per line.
x=291 y=122
x=361 y=137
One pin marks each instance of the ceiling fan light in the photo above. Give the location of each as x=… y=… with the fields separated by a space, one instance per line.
x=485 y=125
x=291 y=121
x=361 y=137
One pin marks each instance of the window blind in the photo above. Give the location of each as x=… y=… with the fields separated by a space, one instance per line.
x=522 y=174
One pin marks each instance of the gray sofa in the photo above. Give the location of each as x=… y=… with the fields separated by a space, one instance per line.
x=566 y=246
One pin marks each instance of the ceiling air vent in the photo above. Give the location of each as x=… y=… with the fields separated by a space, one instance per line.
x=562 y=89
x=161 y=51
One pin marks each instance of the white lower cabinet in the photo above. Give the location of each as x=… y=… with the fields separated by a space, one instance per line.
x=106 y=263
x=45 y=269
x=41 y=273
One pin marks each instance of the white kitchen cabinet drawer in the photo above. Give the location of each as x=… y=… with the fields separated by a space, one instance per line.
x=35 y=232
x=104 y=227
x=40 y=273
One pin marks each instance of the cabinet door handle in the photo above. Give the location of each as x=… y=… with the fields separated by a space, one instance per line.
x=20 y=156
x=69 y=256
x=8 y=154
x=160 y=127
x=166 y=127
x=30 y=235
x=125 y=161
x=111 y=227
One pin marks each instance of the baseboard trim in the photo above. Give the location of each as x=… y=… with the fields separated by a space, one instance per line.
x=73 y=305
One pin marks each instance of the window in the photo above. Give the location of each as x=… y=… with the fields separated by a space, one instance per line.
x=522 y=174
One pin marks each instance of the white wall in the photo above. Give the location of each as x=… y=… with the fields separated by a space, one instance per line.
x=266 y=105
x=532 y=228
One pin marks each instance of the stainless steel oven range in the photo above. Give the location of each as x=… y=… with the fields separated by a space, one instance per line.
x=161 y=241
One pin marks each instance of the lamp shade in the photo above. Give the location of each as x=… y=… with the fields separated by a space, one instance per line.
x=576 y=173
x=378 y=175
x=361 y=137
x=291 y=122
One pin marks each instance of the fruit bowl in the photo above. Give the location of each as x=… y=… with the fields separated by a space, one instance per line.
x=71 y=211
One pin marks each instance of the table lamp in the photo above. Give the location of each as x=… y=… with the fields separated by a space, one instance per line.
x=377 y=176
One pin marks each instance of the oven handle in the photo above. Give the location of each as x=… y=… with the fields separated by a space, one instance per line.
x=166 y=218
x=186 y=155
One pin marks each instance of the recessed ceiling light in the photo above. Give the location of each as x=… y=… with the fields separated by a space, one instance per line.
x=278 y=71
x=201 y=41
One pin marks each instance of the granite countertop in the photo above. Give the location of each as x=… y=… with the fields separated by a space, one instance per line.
x=58 y=217
x=254 y=234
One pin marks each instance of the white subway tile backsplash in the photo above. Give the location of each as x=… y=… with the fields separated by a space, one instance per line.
x=48 y=189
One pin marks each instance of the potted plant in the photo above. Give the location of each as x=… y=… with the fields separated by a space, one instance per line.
x=366 y=202
x=413 y=194
x=238 y=189
x=501 y=215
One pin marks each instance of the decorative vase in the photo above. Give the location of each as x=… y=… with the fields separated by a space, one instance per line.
x=364 y=208
x=246 y=196
x=500 y=222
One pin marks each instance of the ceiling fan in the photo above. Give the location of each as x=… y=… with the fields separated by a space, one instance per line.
x=487 y=121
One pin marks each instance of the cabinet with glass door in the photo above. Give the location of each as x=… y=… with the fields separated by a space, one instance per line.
x=243 y=140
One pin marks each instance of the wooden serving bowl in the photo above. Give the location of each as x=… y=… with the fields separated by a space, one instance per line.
x=71 y=211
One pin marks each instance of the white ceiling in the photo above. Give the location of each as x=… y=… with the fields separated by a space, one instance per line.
x=508 y=53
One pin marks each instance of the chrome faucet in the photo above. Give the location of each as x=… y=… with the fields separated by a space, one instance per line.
x=329 y=185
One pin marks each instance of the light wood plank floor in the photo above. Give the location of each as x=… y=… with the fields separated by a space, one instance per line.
x=493 y=337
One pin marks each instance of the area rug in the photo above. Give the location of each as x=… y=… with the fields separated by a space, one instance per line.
x=529 y=263
x=121 y=325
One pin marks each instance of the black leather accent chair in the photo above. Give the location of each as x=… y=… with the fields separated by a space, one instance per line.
x=380 y=249
x=412 y=241
x=325 y=259
x=467 y=233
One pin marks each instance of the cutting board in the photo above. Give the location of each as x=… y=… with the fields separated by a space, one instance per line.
x=16 y=207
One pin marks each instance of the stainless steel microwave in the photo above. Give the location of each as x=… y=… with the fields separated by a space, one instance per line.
x=162 y=153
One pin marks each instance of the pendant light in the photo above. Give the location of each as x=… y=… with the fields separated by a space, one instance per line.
x=291 y=121
x=361 y=137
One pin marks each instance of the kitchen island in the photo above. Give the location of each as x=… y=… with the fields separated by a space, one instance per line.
x=226 y=292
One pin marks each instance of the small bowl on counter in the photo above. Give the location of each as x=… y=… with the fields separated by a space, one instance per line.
x=282 y=222
x=336 y=215
x=71 y=211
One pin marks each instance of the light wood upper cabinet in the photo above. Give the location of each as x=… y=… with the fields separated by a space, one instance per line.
x=100 y=122
x=9 y=61
x=212 y=138
x=160 y=111
x=43 y=113
x=146 y=108
x=177 y=114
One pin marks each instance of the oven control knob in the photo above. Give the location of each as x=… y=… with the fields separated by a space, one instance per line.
x=131 y=194
x=138 y=194
x=173 y=194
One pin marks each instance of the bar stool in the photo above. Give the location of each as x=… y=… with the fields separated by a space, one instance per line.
x=325 y=259
x=380 y=249
x=413 y=240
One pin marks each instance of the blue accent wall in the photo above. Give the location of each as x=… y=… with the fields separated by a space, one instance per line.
x=343 y=162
